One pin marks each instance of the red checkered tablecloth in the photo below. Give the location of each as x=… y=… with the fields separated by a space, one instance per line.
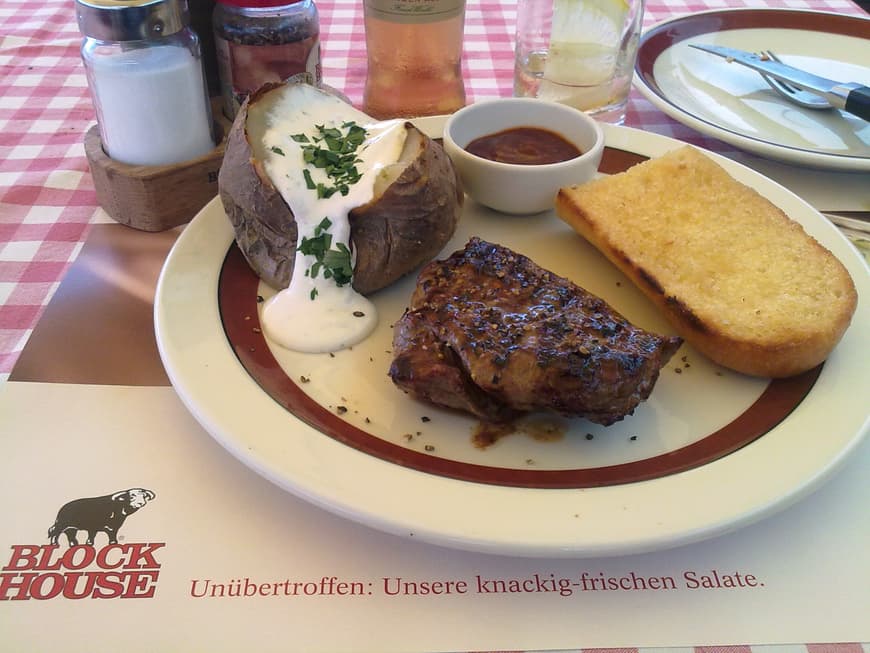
x=47 y=198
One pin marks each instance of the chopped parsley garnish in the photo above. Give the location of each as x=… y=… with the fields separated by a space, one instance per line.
x=277 y=150
x=334 y=263
x=333 y=150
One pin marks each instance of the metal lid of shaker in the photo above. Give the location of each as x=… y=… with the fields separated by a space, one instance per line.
x=259 y=4
x=131 y=20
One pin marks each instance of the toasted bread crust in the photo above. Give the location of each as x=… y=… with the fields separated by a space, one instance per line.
x=775 y=305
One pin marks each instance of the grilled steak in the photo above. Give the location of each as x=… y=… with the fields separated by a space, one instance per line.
x=491 y=333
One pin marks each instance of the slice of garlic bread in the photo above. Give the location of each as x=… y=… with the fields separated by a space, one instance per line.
x=738 y=279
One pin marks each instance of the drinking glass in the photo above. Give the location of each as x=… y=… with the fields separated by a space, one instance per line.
x=578 y=52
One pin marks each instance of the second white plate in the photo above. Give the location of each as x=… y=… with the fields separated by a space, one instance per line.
x=734 y=104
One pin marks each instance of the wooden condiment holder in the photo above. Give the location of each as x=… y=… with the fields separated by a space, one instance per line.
x=154 y=198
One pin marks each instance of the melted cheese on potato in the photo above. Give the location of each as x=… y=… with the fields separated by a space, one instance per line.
x=314 y=314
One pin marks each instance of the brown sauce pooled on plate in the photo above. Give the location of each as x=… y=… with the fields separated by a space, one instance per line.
x=525 y=146
x=545 y=429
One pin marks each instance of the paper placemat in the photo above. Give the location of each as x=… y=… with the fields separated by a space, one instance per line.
x=219 y=559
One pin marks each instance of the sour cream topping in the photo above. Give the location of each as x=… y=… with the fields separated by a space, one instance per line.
x=314 y=314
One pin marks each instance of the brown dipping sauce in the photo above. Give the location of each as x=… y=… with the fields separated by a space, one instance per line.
x=525 y=146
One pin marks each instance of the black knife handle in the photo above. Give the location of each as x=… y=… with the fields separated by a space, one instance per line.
x=858 y=102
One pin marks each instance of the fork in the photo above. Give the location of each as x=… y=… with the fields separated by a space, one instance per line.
x=792 y=93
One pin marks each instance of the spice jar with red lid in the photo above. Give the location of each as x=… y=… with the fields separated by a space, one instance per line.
x=261 y=41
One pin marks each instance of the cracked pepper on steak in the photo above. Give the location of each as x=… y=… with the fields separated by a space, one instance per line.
x=490 y=332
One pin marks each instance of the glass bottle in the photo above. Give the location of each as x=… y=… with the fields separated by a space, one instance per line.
x=261 y=41
x=145 y=73
x=414 y=53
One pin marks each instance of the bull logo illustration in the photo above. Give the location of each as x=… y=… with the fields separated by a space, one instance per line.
x=98 y=514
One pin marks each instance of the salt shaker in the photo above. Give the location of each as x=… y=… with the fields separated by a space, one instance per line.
x=145 y=73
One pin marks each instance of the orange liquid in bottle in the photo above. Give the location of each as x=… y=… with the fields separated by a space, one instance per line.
x=414 y=68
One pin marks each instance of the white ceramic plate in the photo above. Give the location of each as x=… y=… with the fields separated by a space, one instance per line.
x=355 y=445
x=734 y=104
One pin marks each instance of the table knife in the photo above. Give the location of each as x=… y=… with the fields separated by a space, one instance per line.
x=851 y=97
x=855 y=221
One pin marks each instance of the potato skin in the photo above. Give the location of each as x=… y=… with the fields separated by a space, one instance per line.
x=410 y=222
x=406 y=226
x=264 y=227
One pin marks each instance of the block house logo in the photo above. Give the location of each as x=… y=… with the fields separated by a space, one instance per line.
x=93 y=570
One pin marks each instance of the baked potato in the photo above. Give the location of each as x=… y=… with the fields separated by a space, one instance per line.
x=416 y=204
